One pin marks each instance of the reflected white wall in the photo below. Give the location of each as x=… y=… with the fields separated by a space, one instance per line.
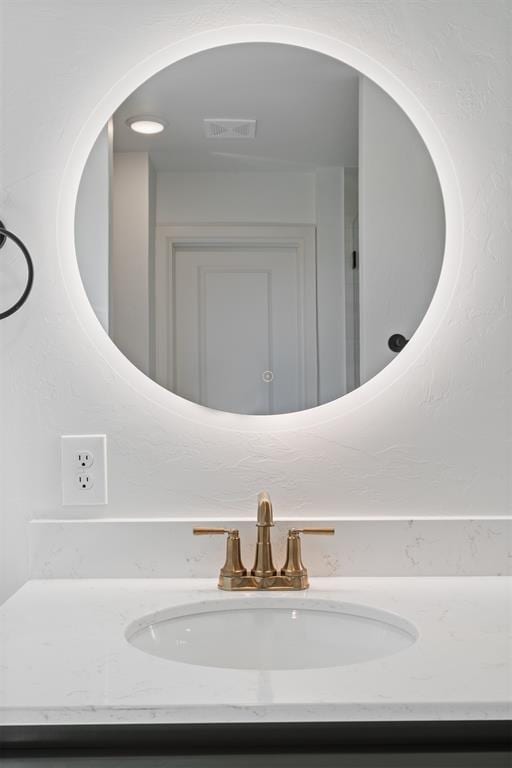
x=133 y=224
x=243 y=197
x=401 y=227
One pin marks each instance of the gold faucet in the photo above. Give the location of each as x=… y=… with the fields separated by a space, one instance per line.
x=233 y=575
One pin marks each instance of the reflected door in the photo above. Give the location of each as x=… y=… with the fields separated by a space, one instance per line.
x=238 y=325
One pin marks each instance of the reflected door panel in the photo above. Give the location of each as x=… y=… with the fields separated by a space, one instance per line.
x=238 y=332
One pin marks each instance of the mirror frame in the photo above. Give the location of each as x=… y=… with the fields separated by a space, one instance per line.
x=347 y=54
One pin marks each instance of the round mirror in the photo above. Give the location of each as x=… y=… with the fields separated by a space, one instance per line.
x=260 y=228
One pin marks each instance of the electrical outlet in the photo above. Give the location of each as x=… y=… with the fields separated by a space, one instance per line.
x=85 y=481
x=84 y=459
x=84 y=469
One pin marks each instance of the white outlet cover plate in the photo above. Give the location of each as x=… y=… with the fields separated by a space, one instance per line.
x=72 y=493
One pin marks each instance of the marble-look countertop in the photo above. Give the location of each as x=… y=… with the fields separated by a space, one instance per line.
x=64 y=657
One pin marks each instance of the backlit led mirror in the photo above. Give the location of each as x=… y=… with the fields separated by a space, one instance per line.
x=259 y=228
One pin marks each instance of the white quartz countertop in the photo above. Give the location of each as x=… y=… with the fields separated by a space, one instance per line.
x=64 y=657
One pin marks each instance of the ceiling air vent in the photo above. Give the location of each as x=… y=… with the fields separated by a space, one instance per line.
x=220 y=128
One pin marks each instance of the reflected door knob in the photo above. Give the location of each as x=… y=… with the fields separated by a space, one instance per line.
x=397 y=342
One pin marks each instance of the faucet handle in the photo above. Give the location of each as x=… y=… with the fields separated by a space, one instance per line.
x=317 y=531
x=294 y=565
x=211 y=531
x=233 y=565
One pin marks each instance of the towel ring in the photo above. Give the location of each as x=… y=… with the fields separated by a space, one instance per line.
x=4 y=234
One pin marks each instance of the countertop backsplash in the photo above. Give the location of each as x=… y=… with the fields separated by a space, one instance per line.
x=160 y=548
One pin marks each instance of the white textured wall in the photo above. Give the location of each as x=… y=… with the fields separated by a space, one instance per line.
x=92 y=225
x=433 y=443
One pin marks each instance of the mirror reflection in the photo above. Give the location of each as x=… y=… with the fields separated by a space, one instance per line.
x=254 y=225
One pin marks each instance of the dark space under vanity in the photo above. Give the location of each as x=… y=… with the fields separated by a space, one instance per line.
x=490 y=739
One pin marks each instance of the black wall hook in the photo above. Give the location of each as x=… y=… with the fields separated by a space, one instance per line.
x=4 y=235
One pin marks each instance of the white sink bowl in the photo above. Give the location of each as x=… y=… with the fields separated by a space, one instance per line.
x=265 y=633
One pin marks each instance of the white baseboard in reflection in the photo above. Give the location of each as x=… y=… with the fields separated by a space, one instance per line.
x=166 y=548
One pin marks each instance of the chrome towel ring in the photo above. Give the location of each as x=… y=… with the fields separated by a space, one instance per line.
x=4 y=234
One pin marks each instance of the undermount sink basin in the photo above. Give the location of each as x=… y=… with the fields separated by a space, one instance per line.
x=265 y=633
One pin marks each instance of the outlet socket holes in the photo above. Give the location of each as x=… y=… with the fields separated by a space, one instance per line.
x=84 y=481
x=84 y=459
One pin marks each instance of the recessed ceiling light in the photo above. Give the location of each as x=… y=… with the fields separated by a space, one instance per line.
x=146 y=124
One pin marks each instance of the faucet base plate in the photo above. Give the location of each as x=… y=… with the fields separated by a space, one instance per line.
x=254 y=583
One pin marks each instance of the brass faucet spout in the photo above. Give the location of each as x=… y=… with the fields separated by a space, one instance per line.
x=265 y=513
x=263 y=566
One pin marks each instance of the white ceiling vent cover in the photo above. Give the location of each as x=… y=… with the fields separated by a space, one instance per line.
x=220 y=128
